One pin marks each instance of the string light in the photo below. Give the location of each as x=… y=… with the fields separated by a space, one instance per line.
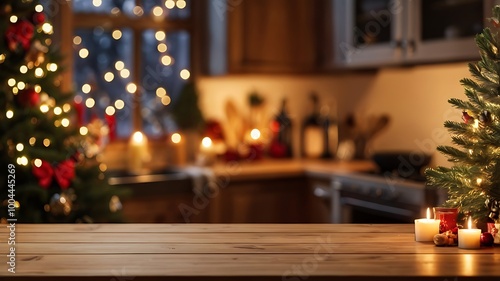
x=185 y=74
x=181 y=4
x=66 y=107
x=169 y=4
x=57 y=110
x=38 y=163
x=119 y=65
x=476 y=124
x=479 y=181
x=39 y=8
x=21 y=85
x=11 y=82
x=160 y=35
x=65 y=122
x=52 y=67
x=86 y=88
x=13 y=19
x=109 y=76
x=131 y=88
x=161 y=92
x=90 y=102
x=77 y=40
x=57 y=123
x=15 y=90
x=20 y=147
x=124 y=73
x=176 y=138
x=39 y=72
x=83 y=53
x=32 y=141
x=138 y=11
x=47 y=28
x=166 y=60
x=84 y=131
x=2 y=58
x=165 y=100
x=157 y=11
x=117 y=34
x=23 y=69
x=110 y=110
x=162 y=47
x=9 y=114
x=119 y=104
x=23 y=161
x=103 y=167
x=44 y=108
x=97 y=3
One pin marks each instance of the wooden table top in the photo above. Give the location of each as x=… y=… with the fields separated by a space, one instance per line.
x=116 y=252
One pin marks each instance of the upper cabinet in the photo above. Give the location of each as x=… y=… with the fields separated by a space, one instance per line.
x=372 y=33
x=278 y=36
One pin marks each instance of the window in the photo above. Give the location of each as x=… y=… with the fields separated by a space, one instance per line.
x=131 y=60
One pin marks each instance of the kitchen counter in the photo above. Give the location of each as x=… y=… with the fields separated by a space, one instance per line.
x=236 y=252
x=270 y=168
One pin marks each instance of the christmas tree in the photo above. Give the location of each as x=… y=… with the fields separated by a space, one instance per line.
x=47 y=173
x=473 y=181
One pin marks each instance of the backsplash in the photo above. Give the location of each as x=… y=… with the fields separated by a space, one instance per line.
x=415 y=98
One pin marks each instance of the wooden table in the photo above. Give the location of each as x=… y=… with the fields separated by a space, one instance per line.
x=116 y=252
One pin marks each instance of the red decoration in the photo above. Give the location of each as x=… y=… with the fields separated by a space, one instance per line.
x=467 y=118
x=79 y=113
x=38 y=18
x=64 y=173
x=111 y=120
x=20 y=34
x=213 y=130
x=28 y=98
x=486 y=239
x=277 y=150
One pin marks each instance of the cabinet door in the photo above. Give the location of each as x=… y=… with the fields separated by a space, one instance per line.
x=274 y=36
x=368 y=32
x=444 y=30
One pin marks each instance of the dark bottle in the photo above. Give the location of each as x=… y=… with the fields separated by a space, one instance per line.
x=281 y=144
x=313 y=138
x=330 y=131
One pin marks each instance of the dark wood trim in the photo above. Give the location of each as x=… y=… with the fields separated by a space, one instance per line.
x=89 y=20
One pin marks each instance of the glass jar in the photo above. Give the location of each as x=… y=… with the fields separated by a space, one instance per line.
x=447 y=216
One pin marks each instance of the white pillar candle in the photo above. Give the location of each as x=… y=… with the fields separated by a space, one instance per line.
x=138 y=154
x=425 y=229
x=469 y=238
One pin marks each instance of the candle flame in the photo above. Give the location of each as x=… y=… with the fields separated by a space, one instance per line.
x=470 y=223
x=428 y=213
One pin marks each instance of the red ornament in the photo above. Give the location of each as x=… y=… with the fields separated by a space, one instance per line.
x=213 y=130
x=467 y=118
x=277 y=150
x=486 y=239
x=28 y=98
x=64 y=173
x=38 y=18
x=111 y=120
x=20 y=34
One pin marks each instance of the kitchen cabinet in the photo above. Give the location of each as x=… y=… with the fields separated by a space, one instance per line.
x=262 y=200
x=279 y=36
x=372 y=33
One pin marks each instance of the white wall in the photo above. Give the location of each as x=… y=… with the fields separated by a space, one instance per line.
x=414 y=97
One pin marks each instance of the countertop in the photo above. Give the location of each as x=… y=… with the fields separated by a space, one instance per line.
x=269 y=168
x=237 y=252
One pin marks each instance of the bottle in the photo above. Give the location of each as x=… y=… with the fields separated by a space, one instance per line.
x=313 y=138
x=281 y=127
x=330 y=131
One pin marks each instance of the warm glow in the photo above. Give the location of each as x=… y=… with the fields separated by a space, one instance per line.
x=66 y=107
x=161 y=92
x=255 y=134
x=32 y=141
x=138 y=137
x=185 y=74
x=470 y=151
x=131 y=88
x=52 y=67
x=469 y=224
x=57 y=123
x=2 y=58
x=65 y=122
x=162 y=47
x=166 y=100
x=479 y=181
x=57 y=110
x=109 y=76
x=11 y=82
x=37 y=163
x=39 y=8
x=46 y=142
x=166 y=60
x=97 y=3
x=21 y=85
x=90 y=102
x=83 y=53
x=23 y=69
x=103 y=167
x=23 y=161
x=428 y=213
x=206 y=142
x=47 y=28
x=119 y=104
x=110 y=110
x=13 y=19
x=160 y=35
x=77 y=40
x=138 y=11
x=117 y=34
x=9 y=114
x=176 y=138
x=170 y=4
x=39 y=72
x=86 y=88
x=84 y=131
x=19 y=147
x=476 y=124
x=157 y=11
x=15 y=90
x=181 y=4
x=124 y=73
x=119 y=65
x=44 y=108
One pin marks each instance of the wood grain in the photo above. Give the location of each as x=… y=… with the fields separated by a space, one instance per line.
x=284 y=251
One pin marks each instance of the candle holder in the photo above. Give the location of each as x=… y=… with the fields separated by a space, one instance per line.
x=447 y=217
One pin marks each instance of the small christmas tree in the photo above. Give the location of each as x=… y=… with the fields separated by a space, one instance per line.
x=52 y=176
x=473 y=182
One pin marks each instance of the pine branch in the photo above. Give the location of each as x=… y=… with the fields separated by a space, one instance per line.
x=462 y=105
x=454 y=155
x=474 y=98
x=456 y=127
x=476 y=72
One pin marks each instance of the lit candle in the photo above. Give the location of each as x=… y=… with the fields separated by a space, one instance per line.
x=179 y=150
x=138 y=153
x=207 y=152
x=425 y=229
x=469 y=238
